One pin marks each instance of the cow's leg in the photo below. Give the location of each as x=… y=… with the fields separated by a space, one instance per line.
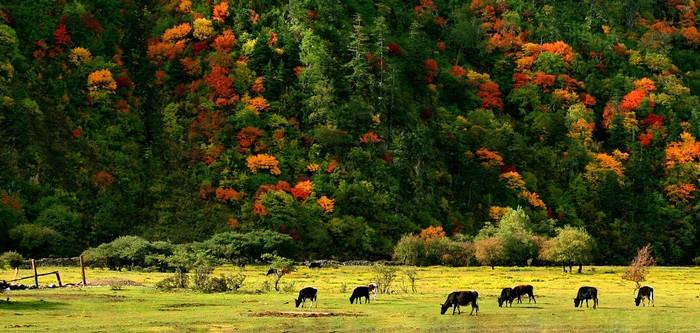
x=587 y=302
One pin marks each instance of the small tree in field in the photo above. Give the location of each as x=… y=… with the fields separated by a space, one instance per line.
x=570 y=246
x=489 y=251
x=638 y=269
x=280 y=265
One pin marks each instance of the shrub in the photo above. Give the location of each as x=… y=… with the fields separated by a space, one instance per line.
x=187 y=256
x=281 y=265
x=200 y=278
x=11 y=259
x=179 y=280
x=696 y=261
x=128 y=252
x=489 y=251
x=419 y=251
x=384 y=275
x=230 y=246
x=570 y=246
x=409 y=250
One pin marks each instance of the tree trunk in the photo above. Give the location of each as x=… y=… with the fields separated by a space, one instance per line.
x=563 y=267
x=580 y=268
x=571 y=267
x=277 y=282
x=492 y=267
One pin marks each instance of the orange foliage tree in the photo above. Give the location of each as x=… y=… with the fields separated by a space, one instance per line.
x=226 y=194
x=302 y=190
x=177 y=32
x=326 y=204
x=264 y=162
x=489 y=159
x=432 y=232
x=490 y=95
x=225 y=41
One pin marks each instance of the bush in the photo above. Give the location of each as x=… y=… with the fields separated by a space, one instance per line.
x=384 y=275
x=414 y=250
x=230 y=246
x=200 y=278
x=204 y=282
x=131 y=252
x=409 y=250
x=179 y=280
x=124 y=252
x=11 y=259
x=696 y=261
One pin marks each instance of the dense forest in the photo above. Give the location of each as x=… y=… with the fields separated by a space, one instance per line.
x=348 y=124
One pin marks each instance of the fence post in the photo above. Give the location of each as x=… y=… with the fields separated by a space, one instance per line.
x=58 y=277
x=36 y=278
x=82 y=270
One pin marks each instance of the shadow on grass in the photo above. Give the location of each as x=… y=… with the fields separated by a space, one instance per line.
x=34 y=305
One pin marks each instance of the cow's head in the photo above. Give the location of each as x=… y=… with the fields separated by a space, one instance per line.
x=297 y=301
x=577 y=301
x=352 y=299
x=443 y=308
x=500 y=302
x=637 y=300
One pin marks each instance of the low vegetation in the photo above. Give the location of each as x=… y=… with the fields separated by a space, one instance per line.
x=141 y=307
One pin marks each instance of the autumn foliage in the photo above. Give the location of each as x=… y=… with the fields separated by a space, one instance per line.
x=263 y=162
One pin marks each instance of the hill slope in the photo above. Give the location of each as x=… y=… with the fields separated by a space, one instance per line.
x=347 y=124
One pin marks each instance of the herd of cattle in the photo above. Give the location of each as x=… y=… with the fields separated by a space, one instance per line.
x=463 y=298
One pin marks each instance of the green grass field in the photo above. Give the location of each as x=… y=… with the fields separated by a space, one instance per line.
x=144 y=309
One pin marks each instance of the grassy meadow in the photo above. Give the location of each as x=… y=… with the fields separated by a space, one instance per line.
x=135 y=306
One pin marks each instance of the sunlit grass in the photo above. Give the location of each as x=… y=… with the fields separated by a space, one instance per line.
x=144 y=309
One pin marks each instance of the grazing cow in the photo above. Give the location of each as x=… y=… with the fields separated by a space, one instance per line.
x=457 y=298
x=4 y=286
x=358 y=293
x=306 y=293
x=275 y=271
x=373 y=290
x=528 y=290
x=315 y=265
x=507 y=296
x=586 y=293
x=645 y=292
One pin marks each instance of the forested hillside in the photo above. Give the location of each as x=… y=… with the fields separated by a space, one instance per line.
x=347 y=124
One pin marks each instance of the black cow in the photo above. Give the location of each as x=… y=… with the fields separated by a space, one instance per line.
x=457 y=298
x=4 y=286
x=586 y=293
x=525 y=290
x=358 y=293
x=306 y=293
x=645 y=292
x=274 y=271
x=507 y=297
x=315 y=265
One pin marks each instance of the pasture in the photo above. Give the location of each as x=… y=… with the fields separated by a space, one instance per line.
x=138 y=307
